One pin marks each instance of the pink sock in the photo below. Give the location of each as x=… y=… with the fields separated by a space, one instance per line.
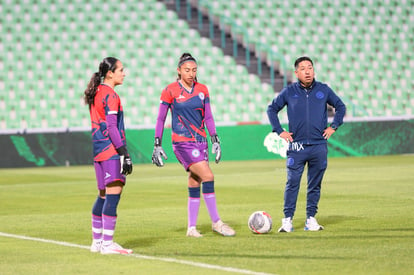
x=210 y=199
x=193 y=207
x=211 y=204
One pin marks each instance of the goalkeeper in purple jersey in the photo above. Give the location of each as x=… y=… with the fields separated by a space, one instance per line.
x=189 y=102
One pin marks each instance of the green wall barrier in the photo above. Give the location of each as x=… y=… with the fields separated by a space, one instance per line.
x=247 y=142
x=241 y=142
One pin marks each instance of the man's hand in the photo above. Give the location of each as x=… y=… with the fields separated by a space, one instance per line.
x=328 y=132
x=286 y=136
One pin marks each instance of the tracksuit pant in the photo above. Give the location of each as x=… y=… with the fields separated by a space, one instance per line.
x=298 y=156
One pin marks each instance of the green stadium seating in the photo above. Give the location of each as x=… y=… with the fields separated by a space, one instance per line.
x=51 y=48
x=347 y=39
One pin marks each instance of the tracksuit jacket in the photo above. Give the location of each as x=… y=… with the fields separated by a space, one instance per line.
x=307 y=111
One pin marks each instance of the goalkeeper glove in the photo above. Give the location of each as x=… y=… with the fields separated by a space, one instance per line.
x=158 y=153
x=216 y=149
x=125 y=159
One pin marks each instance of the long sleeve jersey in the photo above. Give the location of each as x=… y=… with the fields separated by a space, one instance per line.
x=107 y=119
x=190 y=113
x=307 y=111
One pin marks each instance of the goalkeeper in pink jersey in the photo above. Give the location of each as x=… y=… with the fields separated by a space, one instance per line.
x=111 y=159
x=189 y=102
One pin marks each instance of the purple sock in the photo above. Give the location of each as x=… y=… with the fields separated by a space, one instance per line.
x=109 y=216
x=210 y=199
x=96 y=227
x=193 y=205
x=108 y=223
x=97 y=218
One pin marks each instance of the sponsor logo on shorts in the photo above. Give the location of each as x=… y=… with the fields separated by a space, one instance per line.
x=107 y=175
x=195 y=153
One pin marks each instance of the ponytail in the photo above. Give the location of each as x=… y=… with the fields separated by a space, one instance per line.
x=108 y=64
x=90 y=91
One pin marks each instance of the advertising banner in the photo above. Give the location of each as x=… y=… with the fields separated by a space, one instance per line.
x=241 y=142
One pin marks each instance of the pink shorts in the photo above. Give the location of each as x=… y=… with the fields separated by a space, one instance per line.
x=188 y=153
x=108 y=171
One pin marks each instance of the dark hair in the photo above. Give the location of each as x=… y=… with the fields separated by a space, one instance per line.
x=302 y=58
x=107 y=64
x=184 y=58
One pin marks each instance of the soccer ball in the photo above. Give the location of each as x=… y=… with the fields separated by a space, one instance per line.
x=260 y=222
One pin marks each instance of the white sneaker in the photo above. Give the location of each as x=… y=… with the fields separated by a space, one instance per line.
x=193 y=232
x=223 y=229
x=287 y=225
x=96 y=245
x=312 y=224
x=114 y=248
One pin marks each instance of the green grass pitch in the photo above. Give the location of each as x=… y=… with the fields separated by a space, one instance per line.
x=367 y=208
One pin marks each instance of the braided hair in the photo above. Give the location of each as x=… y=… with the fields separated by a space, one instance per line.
x=107 y=64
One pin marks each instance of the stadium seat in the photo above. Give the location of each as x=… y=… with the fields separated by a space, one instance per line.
x=56 y=46
x=367 y=27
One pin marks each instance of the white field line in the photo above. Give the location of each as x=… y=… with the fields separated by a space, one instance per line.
x=140 y=256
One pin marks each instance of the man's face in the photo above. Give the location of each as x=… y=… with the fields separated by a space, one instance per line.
x=305 y=73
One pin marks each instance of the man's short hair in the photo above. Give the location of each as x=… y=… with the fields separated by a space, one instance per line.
x=300 y=59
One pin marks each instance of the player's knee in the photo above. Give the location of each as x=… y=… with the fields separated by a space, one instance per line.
x=208 y=177
x=208 y=187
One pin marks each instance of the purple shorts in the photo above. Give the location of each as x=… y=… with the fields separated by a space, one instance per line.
x=189 y=153
x=108 y=171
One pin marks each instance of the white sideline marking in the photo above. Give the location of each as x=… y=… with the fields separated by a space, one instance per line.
x=140 y=256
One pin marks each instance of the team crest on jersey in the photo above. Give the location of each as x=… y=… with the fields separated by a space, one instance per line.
x=320 y=95
x=201 y=96
x=195 y=153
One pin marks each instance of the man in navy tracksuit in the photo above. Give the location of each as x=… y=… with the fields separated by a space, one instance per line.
x=306 y=102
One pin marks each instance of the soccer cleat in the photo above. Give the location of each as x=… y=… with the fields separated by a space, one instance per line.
x=114 y=248
x=223 y=229
x=287 y=225
x=312 y=224
x=96 y=245
x=193 y=232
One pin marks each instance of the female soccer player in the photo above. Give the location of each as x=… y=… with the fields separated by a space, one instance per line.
x=111 y=159
x=190 y=108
